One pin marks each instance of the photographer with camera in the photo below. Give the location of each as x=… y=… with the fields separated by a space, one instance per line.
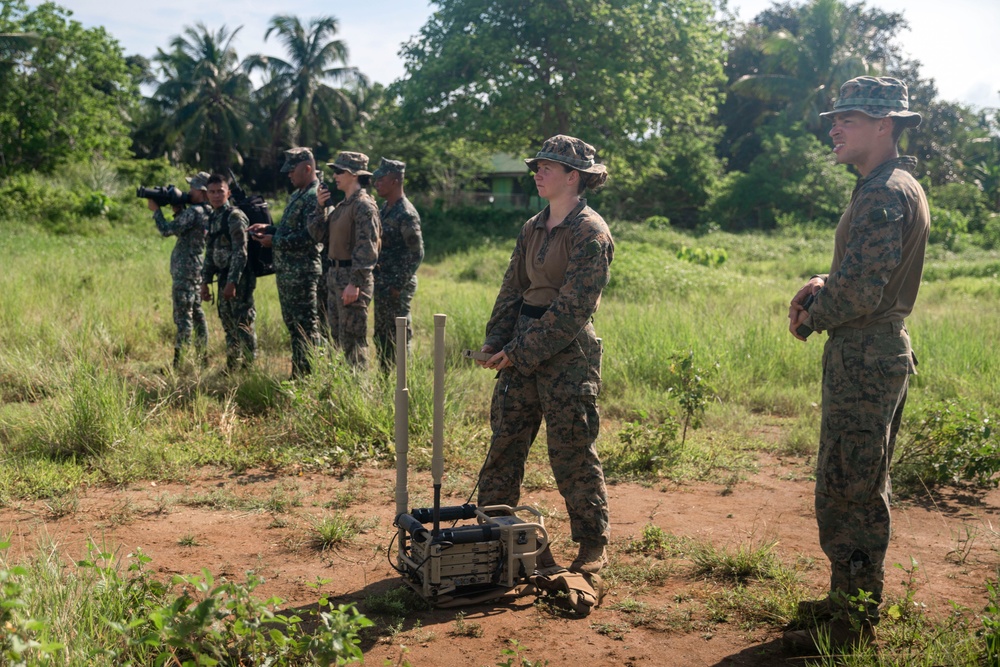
x=190 y=226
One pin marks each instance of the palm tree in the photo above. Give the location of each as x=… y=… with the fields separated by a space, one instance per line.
x=307 y=109
x=205 y=96
x=802 y=71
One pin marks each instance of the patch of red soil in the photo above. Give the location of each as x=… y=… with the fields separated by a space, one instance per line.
x=951 y=536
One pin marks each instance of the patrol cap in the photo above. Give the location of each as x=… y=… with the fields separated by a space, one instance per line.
x=388 y=167
x=199 y=181
x=352 y=163
x=569 y=151
x=878 y=97
x=294 y=157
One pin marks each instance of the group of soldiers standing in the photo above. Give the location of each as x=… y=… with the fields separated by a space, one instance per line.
x=330 y=262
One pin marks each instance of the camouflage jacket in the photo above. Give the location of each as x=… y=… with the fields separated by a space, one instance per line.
x=226 y=256
x=294 y=249
x=190 y=226
x=350 y=230
x=585 y=242
x=878 y=251
x=402 y=244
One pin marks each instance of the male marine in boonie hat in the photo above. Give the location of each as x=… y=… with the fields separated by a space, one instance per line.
x=294 y=157
x=569 y=151
x=386 y=167
x=878 y=97
x=351 y=162
x=199 y=181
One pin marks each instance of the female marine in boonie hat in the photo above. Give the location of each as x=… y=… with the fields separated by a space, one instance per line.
x=351 y=232
x=542 y=342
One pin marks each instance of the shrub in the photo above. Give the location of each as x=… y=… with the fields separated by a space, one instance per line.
x=950 y=444
x=964 y=198
x=947 y=227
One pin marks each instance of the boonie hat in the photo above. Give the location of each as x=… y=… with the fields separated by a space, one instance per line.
x=878 y=97
x=199 y=181
x=352 y=163
x=569 y=151
x=388 y=167
x=294 y=157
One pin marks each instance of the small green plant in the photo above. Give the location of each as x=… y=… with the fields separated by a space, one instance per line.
x=691 y=388
x=704 y=256
x=746 y=561
x=188 y=541
x=950 y=444
x=990 y=633
x=334 y=531
x=465 y=628
x=659 y=543
x=645 y=449
x=395 y=603
x=516 y=659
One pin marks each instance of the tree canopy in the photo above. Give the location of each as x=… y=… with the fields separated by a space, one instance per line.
x=66 y=93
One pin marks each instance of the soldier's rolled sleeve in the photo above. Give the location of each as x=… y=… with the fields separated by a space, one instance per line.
x=183 y=222
x=367 y=230
x=874 y=249
x=238 y=224
x=503 y=320
x=587 y=273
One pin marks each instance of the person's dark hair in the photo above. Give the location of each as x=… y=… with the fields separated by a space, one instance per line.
x=364 y=180
x=217 y=178
x=587 y=181
x=897 y=129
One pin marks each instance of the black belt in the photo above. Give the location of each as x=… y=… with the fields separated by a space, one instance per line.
x=874 y=330
x=534 y=312
x=337 y=263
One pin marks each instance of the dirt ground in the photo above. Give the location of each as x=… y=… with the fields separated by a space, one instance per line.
x=952 y=536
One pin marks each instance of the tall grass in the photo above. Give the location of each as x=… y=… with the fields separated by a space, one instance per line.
x=86 y=336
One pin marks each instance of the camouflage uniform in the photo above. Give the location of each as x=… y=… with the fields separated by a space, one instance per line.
x=547 y=334
x=350 y=232
x=396 y=273
x=297 y=267
x=189 y=226
x=872 y=286
x=227 y=259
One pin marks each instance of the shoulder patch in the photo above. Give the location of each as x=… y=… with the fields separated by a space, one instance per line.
x=592 y=249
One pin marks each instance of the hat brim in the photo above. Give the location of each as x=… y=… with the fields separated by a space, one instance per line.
x=285 y=168
x=911 y=118
x=354 y=172
x=595 y=169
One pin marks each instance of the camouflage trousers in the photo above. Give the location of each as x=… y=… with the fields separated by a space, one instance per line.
x=238 y=316
x=188 y=315
x=297 y=296
x=572 y=424
x=348 y=324
x=392 y=301
x=865 y=376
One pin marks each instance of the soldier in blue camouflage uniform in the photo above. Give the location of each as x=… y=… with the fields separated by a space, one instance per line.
x=190 y=227
x=400 y=256
x=297 y=265
x=226 y=258
x=872 y=286
x=544 y=346
x=350 y=233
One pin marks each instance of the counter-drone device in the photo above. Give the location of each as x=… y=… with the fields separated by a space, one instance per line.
x=486 y=552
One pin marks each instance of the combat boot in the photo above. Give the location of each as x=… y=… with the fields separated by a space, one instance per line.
x=177 y=358
x=590 y=559
x=816 y=611
x=835 y=636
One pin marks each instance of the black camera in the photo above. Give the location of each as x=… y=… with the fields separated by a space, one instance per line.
x=164 y=195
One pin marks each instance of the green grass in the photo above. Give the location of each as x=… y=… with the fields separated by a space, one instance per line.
x=87 y=396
